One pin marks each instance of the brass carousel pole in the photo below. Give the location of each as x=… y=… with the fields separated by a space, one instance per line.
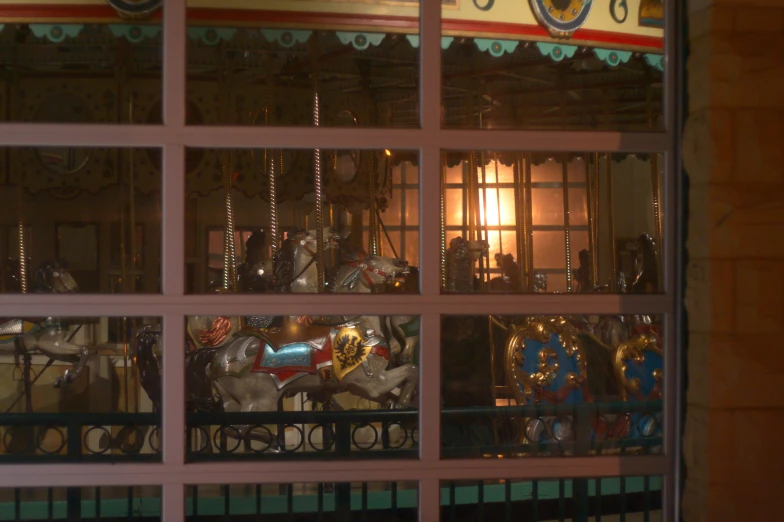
x=373 y=247
x=655 y=184
x=317 y=174
x=591 y=216
x=567 y=236
x=529 y=235
x=483 y=212
x=498 y=205
x=610 y=205
x=27 y=360
x=519 y=196
x=273 y=208
x=443 y=221
x=594 y=202
x=272 y=177
x=21 y=236
x=229 y=250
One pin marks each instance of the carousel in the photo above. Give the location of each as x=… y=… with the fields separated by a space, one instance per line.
x=333 y=221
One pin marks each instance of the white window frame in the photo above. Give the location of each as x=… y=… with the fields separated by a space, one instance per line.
x=173 y=305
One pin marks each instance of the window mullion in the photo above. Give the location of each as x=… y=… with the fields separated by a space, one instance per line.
x=429 y=239
x=174 y=63
x=173 y=254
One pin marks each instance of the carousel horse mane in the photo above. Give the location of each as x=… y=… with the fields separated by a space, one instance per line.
x=42 y=278
x=458 y=266
x=147 y=364
x=285 y=261
x=345 y=271
x=647 y=280
x=251 y=277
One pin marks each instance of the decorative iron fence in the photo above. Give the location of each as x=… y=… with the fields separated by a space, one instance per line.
x=629 y=499
x=535 y=430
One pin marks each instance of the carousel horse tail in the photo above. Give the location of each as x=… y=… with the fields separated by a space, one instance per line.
x=598 y=359
x=147 y=363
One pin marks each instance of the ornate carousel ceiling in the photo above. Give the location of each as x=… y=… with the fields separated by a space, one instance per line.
x=544 y=64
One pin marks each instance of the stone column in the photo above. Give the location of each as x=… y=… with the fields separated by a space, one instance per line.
x=733 y=154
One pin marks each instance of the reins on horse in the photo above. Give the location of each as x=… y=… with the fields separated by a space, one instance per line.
x=365 y=269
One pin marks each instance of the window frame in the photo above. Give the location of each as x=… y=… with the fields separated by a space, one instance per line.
x=173 y=136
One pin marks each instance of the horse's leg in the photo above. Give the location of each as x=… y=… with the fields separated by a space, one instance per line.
x=78 y=369
x=382 y=383
x=53 y=344
x=409 y=343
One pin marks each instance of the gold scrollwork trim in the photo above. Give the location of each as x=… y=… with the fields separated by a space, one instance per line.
x=634 y=350
x=541 y=329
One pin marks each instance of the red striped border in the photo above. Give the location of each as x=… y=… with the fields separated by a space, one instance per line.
x=212 y=16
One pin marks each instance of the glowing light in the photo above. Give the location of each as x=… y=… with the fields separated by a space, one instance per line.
x=387 y=152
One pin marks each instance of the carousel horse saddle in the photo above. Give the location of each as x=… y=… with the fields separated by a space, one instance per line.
x=314 y=336
x=289 y=358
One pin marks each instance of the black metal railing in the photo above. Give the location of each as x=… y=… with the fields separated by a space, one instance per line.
x=86 y=437
x=352 y=434
x=532 y=430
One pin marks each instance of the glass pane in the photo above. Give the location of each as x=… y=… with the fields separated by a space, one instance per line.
x=83 y=242
x=275 y=247
x=328 y=502
x=268 y=387
x=266 y=63
x=614 y=223
x=454 y=207
x=60 y=66
x=549 y=250
x=547 y=206
x=412 y=207
x=81 y=503
x=601 y=499
x=578 y=206
x=548 y=64
x=551 y=386
x=78 y=379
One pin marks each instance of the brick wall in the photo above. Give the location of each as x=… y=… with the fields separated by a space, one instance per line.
x=734 y=157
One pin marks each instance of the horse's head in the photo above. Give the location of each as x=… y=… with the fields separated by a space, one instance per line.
x=382 y=269
x=53 y=276
x=468 y=249
x=370 y=272
x=540 y=282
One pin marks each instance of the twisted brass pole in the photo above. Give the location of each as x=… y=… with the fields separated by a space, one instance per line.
x=319 y=198
x=273 y=212
x=443 y=221
x=21 y=234
x=567 y=238
x=229 y=250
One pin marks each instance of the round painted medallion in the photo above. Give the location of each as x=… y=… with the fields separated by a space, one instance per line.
x=561 y=17
x=135 y=8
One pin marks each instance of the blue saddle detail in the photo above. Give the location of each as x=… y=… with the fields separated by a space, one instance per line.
x=290 y=356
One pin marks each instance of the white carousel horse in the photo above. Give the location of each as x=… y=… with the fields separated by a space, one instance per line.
x=296 y=269
x=48 y=337
x=251 y=371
